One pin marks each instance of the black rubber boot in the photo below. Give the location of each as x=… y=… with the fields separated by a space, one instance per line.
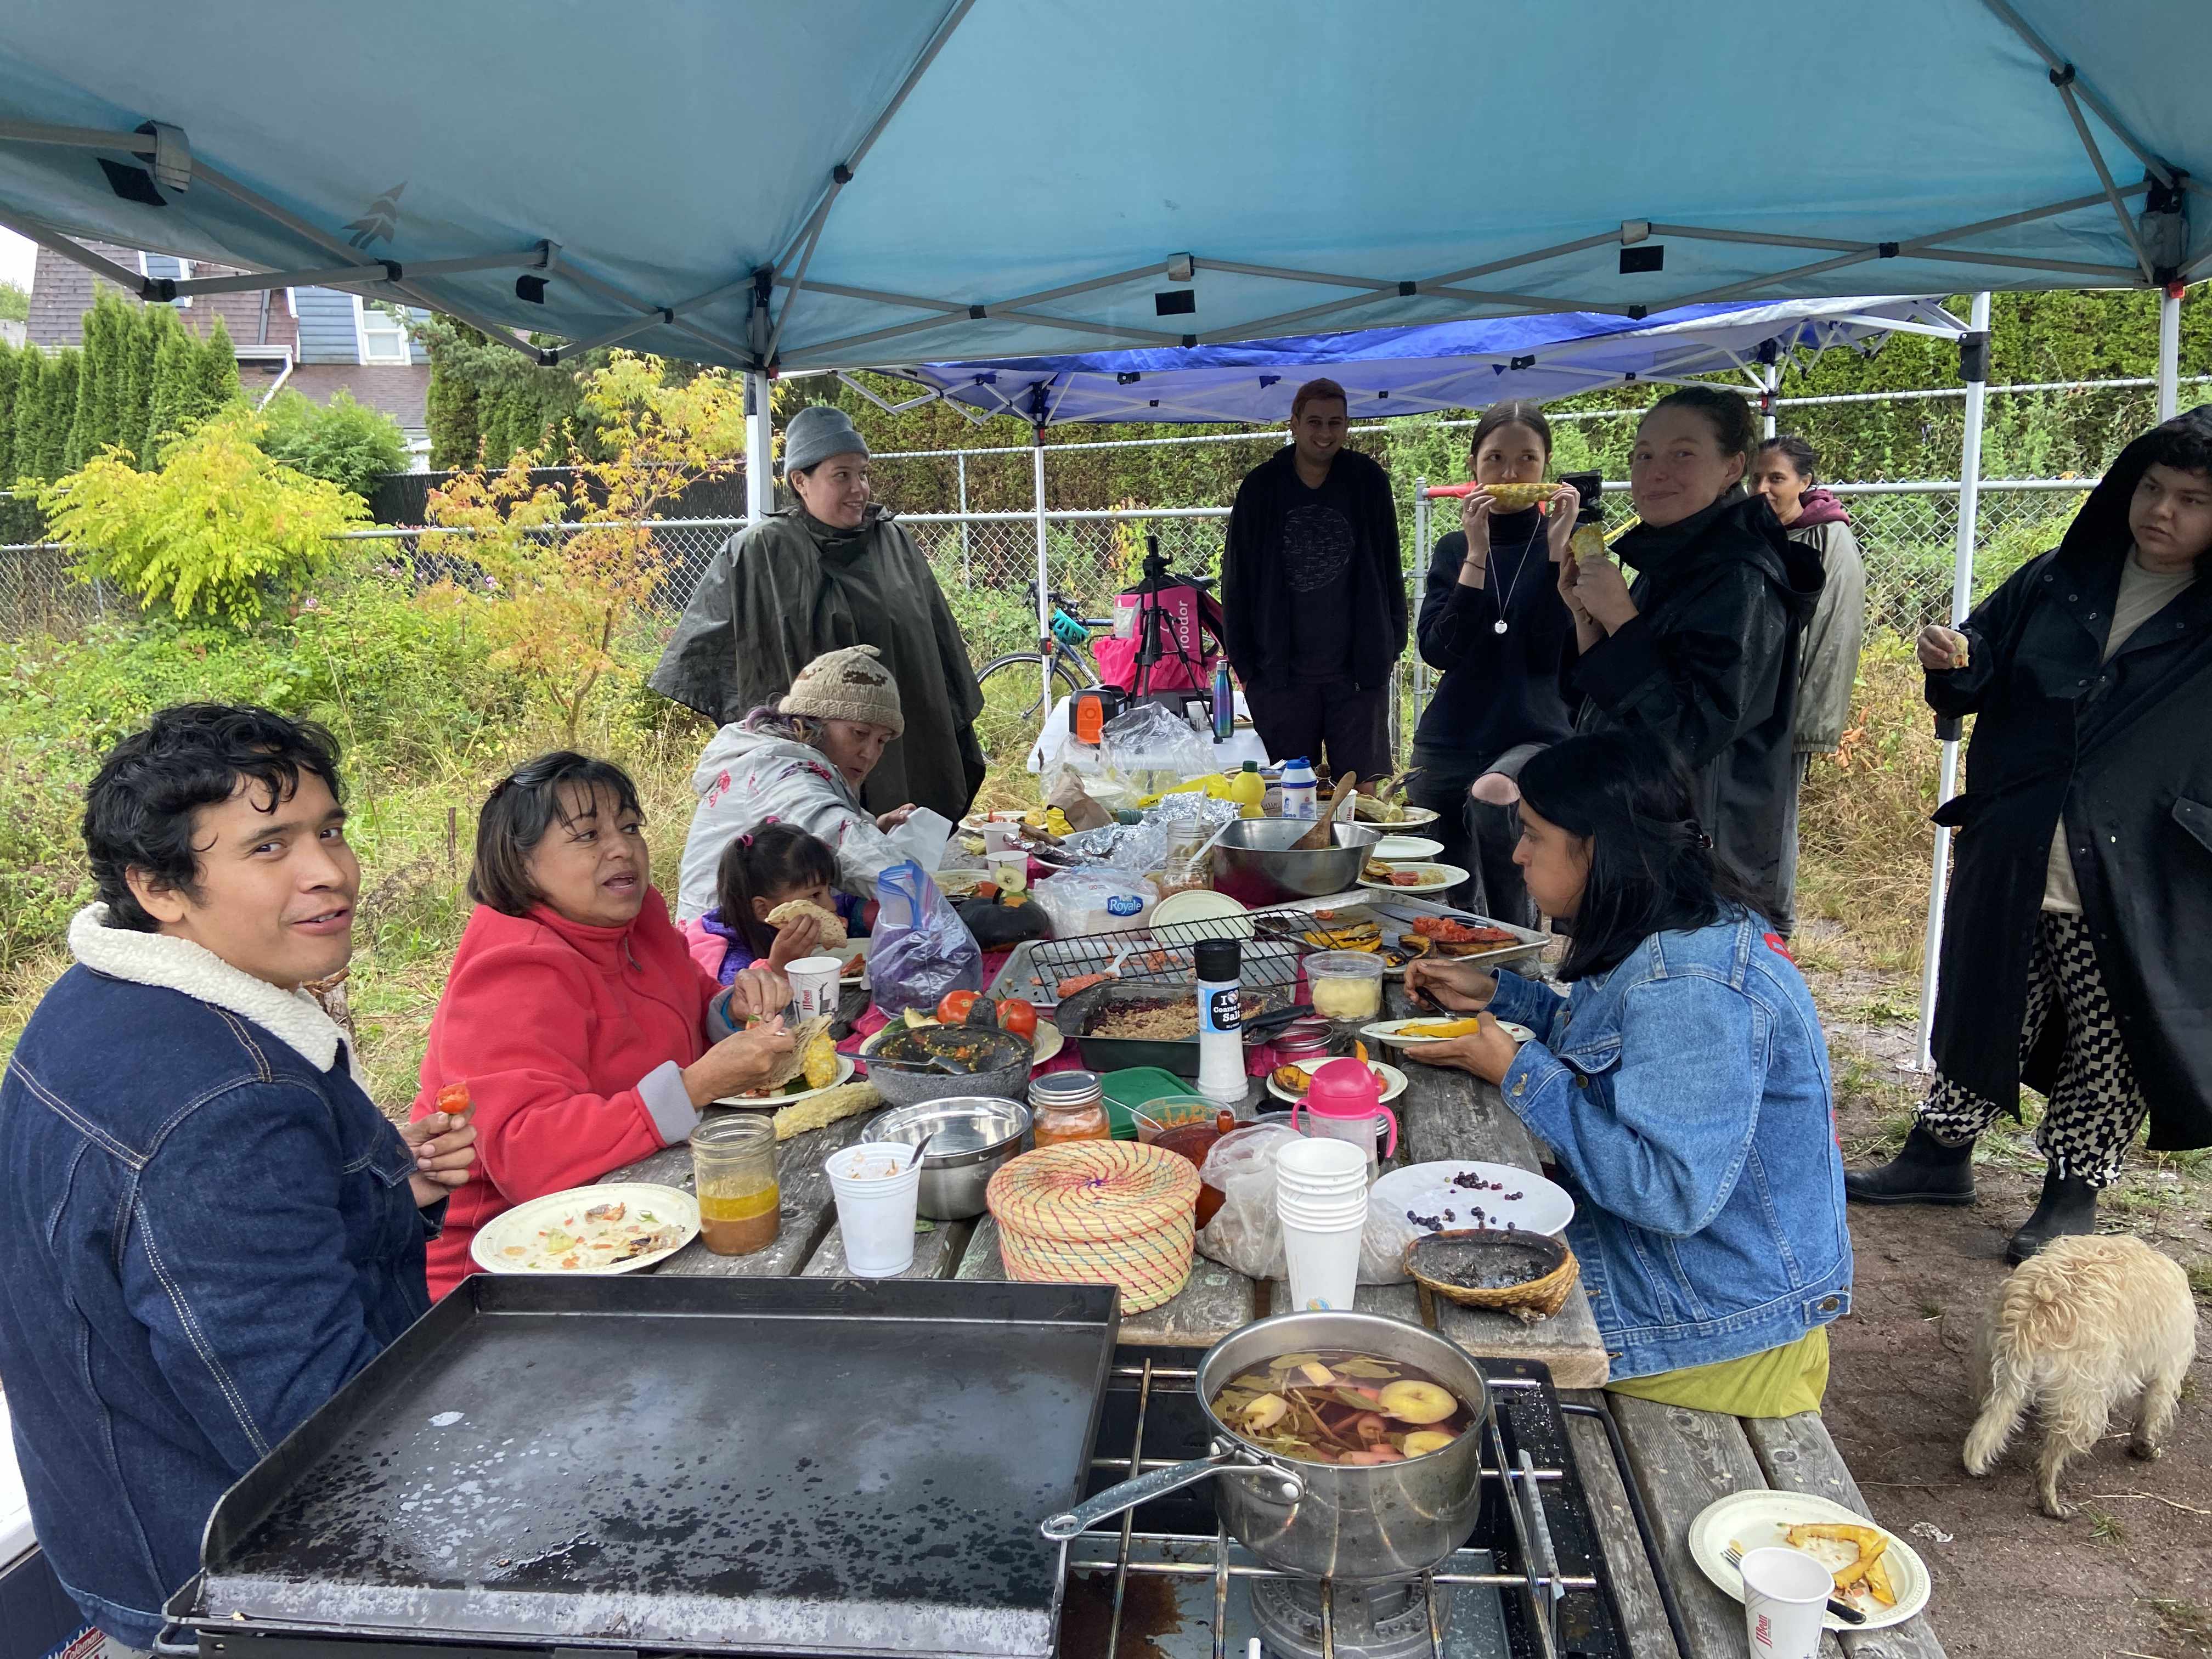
x=1924 y=1171
x=2067 y=1208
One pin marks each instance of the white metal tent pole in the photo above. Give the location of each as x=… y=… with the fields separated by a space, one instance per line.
x=1043 y=578
x=1421 y=587
x=760 y=460
x=1974 y=358
x=2169 y=351
x=1772 y=376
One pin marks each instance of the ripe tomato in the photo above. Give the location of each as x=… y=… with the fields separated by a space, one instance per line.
x=954 y=1009
x=1018 y=1016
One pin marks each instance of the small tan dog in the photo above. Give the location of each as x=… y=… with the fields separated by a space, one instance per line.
x=2084 y=1325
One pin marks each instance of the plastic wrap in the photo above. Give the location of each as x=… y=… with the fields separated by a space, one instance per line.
x=1083 y=901
x=1151 y=748
x=1244 y=1234
x=922 y=948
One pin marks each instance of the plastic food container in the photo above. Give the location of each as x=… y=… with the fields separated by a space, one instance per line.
x=1099 y=1213
x=1345 y=985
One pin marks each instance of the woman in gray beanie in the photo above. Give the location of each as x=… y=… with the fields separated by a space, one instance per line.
x=833 y=571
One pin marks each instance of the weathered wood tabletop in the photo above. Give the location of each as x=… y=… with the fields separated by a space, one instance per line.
x=1444 y=1115
x=1680 y=1460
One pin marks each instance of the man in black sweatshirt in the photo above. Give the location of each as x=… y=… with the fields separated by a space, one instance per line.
x=1314 y=594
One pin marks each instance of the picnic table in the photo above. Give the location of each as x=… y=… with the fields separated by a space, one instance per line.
x=1682 y=1460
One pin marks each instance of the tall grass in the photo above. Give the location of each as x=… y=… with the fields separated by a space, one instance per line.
x=1863 y=836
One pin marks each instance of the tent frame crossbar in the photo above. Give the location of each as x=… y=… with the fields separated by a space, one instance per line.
x=842 y=174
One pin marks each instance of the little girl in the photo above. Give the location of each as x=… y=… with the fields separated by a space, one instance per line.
x=768 y=867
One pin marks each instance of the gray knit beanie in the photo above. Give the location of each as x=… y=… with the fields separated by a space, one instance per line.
x=818 y=432
x=851 y=684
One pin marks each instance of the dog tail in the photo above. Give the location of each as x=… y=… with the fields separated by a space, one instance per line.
x=2008 y=1377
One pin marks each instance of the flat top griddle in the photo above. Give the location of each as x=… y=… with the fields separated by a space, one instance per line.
x=710 y=1465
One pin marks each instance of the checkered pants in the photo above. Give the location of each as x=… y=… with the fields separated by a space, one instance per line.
x=2095 y=1106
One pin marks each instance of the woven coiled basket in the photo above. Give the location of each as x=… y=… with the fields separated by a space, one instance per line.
x=1098 y=1212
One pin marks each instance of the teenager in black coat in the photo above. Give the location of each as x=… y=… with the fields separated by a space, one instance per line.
x=2077 y=937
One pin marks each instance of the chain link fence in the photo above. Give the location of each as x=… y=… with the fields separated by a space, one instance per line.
x=987 y=561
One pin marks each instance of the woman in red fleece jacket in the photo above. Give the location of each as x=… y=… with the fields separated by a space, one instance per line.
x=587 y=1035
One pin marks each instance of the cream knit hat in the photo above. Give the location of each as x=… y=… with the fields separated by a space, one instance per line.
x=851 y=684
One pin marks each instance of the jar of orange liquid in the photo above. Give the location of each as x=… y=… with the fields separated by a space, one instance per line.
x=733 y=1164
x=1068 y=1106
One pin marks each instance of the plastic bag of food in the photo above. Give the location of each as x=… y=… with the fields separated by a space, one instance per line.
x=1068 y=794
x=1079 y=902
x=1151 y=748
x=922 y=948
x=1244 y=1233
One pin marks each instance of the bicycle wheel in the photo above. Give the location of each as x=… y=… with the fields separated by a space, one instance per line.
x=1014 y=705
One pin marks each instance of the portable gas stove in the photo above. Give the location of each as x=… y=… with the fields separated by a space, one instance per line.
x=1166 y=1581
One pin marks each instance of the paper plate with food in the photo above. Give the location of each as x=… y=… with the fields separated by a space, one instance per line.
x=1877 y=1573
x=615 y=1228
x=1451 y=1194
x=1369 y=808
x=1436 y=1028
x=1411 y=878
x=1290 y=1082
x=812 y=1066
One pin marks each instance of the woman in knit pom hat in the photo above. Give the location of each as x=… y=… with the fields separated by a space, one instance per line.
x=833 y=571
x=805 y=762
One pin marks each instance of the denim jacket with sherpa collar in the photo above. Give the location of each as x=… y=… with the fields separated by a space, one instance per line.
x=1685 y=1096
x=205 y=1229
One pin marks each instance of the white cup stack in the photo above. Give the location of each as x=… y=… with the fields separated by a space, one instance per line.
x=1321 y=1197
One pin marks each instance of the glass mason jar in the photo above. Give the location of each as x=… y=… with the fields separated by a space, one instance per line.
x=734 y=1162
x=1069 y=1106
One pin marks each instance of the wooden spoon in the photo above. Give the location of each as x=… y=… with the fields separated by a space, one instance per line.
x=1341 y=807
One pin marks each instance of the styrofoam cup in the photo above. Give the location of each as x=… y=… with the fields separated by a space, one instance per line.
x=1324 y=1263
x=814 y=986
x=1786 y=1603
x=875 y=1213
x=1336 y=1210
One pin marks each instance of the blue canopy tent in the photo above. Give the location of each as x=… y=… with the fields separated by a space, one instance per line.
x=1411 y=371
x=842 y=183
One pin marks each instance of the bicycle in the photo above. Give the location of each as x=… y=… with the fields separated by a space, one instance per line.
x=1015 y=696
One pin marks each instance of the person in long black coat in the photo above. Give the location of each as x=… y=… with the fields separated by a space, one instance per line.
x=2077 y=943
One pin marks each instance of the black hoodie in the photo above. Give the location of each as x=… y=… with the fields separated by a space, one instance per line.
x=1709 y=664
x=2122 y=752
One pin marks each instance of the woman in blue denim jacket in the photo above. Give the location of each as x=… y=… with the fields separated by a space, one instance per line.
x=1681 y=1086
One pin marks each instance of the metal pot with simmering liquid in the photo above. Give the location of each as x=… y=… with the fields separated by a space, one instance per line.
x=1356 y=1524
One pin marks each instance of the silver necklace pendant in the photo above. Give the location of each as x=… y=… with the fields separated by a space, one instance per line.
x=1497 y=627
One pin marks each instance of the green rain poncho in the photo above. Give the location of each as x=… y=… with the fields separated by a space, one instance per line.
x=784 y=590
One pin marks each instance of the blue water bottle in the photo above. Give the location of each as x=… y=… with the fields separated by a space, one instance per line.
x=1224 y=704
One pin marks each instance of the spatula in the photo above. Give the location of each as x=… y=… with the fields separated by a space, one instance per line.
x=1341 y=805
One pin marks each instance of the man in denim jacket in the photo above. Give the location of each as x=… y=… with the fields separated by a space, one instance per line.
x=206 y=1227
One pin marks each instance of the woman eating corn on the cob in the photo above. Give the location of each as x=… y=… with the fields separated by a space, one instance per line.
x=588 y=1035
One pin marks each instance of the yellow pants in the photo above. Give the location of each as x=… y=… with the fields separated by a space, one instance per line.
x=1780 y=1383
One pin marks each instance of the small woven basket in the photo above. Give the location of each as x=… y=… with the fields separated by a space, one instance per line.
x=1435 y=1254
x=1098 y=1212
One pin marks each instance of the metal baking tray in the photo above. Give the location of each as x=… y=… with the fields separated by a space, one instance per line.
x=660 y=1465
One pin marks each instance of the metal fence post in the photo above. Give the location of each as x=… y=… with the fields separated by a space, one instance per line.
x=1974 y=357
x=967 y=556
x=1043 y=579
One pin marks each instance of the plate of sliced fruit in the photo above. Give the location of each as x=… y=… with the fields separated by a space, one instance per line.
x=1412 y=1033
x=1289 y=1082
x=1877 y=1573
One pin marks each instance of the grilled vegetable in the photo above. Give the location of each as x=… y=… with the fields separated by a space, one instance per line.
x=830 y=1106
x=955 y=1007
x=819 y=1066
x=1019 y=1017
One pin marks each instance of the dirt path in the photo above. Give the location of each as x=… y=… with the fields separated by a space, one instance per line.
x=2131 y=1575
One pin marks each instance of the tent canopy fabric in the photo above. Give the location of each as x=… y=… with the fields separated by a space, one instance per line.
x=1411 y=371
x=846 y=183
